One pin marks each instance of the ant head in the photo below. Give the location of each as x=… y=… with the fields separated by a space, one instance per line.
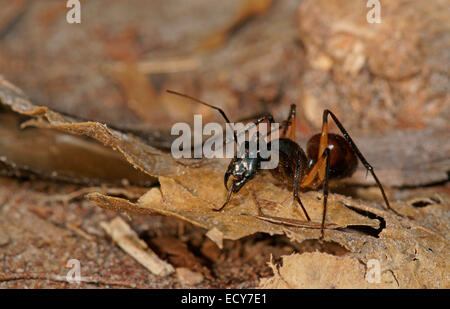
x=243 y=168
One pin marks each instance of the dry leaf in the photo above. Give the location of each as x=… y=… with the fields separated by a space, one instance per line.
x=324 y=271
x=55 y=155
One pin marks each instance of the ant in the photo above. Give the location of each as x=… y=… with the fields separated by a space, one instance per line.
x=328 y=156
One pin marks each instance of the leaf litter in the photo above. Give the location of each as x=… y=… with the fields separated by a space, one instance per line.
x=412 y=250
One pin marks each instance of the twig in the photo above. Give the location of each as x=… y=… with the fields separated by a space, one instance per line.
x=128 y=240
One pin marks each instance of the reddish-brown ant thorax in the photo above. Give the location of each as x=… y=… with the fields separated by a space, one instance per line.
x=343 y=161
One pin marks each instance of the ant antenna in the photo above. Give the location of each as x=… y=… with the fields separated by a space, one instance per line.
x=209 y=105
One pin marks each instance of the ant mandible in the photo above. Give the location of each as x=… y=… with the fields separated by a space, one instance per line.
x=328 y=156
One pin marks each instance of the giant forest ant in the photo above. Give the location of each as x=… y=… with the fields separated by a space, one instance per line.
x=328 y=156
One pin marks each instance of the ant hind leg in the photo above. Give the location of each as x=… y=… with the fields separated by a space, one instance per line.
x=325 y=192
x=324 y=144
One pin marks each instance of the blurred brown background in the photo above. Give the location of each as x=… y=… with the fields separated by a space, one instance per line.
x=246 y=56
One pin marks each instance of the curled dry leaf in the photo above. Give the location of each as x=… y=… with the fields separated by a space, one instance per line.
x=56 y=155
x=414 y=249
x=66 y=153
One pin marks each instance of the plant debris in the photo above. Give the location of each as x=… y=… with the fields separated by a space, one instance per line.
x=128 y=240
x=387 y=82
x=192 y=192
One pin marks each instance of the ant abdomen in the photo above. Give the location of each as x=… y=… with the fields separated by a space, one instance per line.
x=343 y=161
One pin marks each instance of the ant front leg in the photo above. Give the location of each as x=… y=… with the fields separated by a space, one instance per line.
x=282 y=125
x=230 y=192
x=267 y=117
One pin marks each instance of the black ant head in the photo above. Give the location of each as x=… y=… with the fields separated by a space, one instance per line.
x=243 y=168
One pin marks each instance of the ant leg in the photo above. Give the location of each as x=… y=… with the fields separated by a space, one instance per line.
x=308 y=180
x=296 y=184
x=291 y=124
x=325 y=192
x=324 y=143
x=282 y=125
x=267 y=117
x=285 y=124
x=230 y=192
x=323 y=164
